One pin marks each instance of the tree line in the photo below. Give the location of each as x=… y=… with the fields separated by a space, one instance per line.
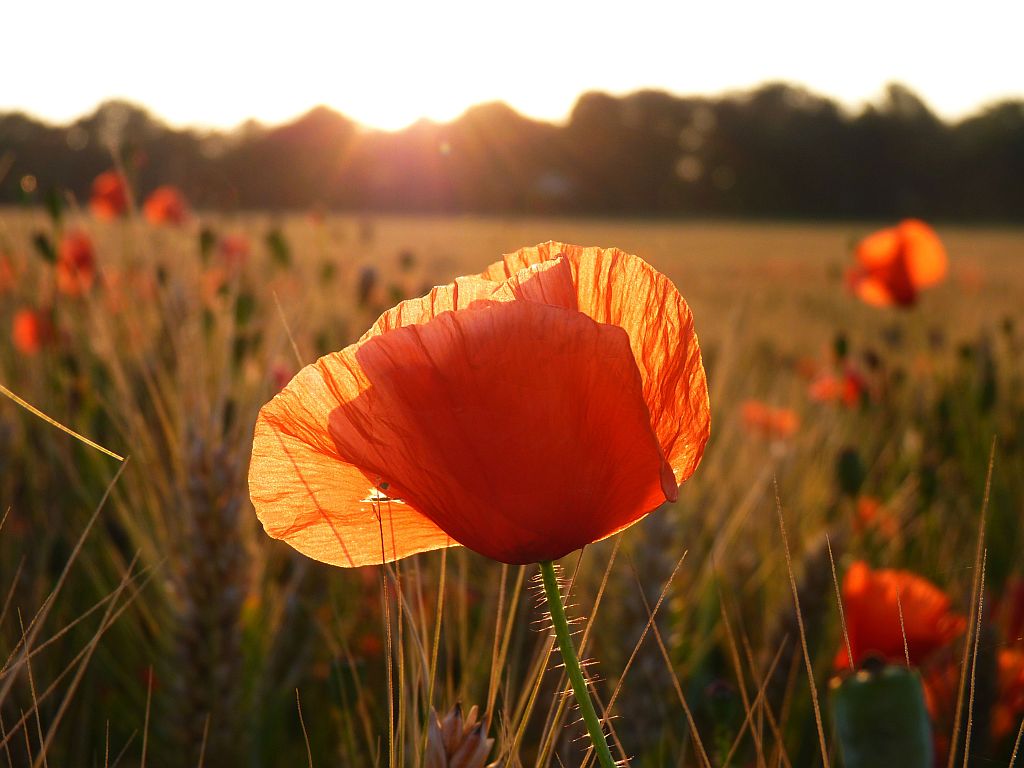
x=775 y=151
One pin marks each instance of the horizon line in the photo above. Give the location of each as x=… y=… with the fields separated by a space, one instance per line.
x=848 y=108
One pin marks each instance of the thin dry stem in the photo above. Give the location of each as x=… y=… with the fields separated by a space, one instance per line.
x=839 y=601
x=302 y=723
x=903 y=630
x=978 y=554
x=803 y=634
x=974 y=661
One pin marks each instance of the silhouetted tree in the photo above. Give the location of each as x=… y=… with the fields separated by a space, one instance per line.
x=778 y=150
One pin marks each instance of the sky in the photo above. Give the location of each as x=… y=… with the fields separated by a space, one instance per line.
x=386 y=64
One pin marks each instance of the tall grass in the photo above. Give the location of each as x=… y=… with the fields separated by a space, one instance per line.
x=159 y=625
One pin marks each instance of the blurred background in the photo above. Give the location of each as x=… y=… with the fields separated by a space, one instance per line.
x=691 y=110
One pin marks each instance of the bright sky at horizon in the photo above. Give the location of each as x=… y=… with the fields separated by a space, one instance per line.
x=386 y=64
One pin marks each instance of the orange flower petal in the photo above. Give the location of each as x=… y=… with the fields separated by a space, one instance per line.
x=927 y=262
x=305 y=493
x=879 y=249
x=517 y=427
x=318 y=501
x=442 y=298
x=876 y=291
x=620 y=289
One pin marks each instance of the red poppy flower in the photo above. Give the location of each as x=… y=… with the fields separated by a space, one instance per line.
x=547 y=403
x=1010 y=608
x=76 y=264
x=767 y=422
x=873 y=615
x=847 y=388
x=31 y=330
x=942 y=683
x=1009 y=706
x=166 y=205
x=941 y=687
x=894 y=264
x=109 y=195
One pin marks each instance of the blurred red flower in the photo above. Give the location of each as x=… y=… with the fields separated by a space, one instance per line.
x=1009 y=607
x=942 y=687
x=166 y=205
x=109 y=195
x=1009 y=707
x=76 y=264
x=31 y=330
x=767 y=422
x=847 y=388
x=894 y=264
x=872 y=514
x=547 y=403
x=873 y=616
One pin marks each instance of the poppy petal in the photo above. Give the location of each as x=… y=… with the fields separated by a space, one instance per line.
x=305 y=493
x=308 y=495
x=880 y=249
x=620 y=289
x=869 y=288
x=488 y=419
x=442 y=298
x=548 y=282
x=926 y=256
x=512 y=263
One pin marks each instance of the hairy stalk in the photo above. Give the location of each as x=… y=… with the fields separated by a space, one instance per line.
x=572 y=665
x=212 y=583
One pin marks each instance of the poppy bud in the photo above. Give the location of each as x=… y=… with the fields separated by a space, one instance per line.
x=881 y=718
x=849 y=472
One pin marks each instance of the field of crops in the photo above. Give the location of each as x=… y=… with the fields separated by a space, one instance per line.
x=147 y=619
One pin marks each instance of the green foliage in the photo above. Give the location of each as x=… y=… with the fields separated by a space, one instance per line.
x=44 y=247
x=280 y=252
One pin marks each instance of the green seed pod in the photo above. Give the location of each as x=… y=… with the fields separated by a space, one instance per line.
x=850 y=472
x=881 y=719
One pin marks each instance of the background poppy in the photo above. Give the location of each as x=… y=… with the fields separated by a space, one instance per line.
x=31 y=330
x=76 y=264
x=873 y=600
x=894 y=264
x=165 y=205
x=109 y=197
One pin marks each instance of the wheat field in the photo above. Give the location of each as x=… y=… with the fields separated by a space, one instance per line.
x=147 y=619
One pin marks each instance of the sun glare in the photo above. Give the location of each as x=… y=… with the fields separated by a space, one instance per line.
x=388 y=64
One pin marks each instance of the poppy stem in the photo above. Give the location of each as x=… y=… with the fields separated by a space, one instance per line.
x=572 y=665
